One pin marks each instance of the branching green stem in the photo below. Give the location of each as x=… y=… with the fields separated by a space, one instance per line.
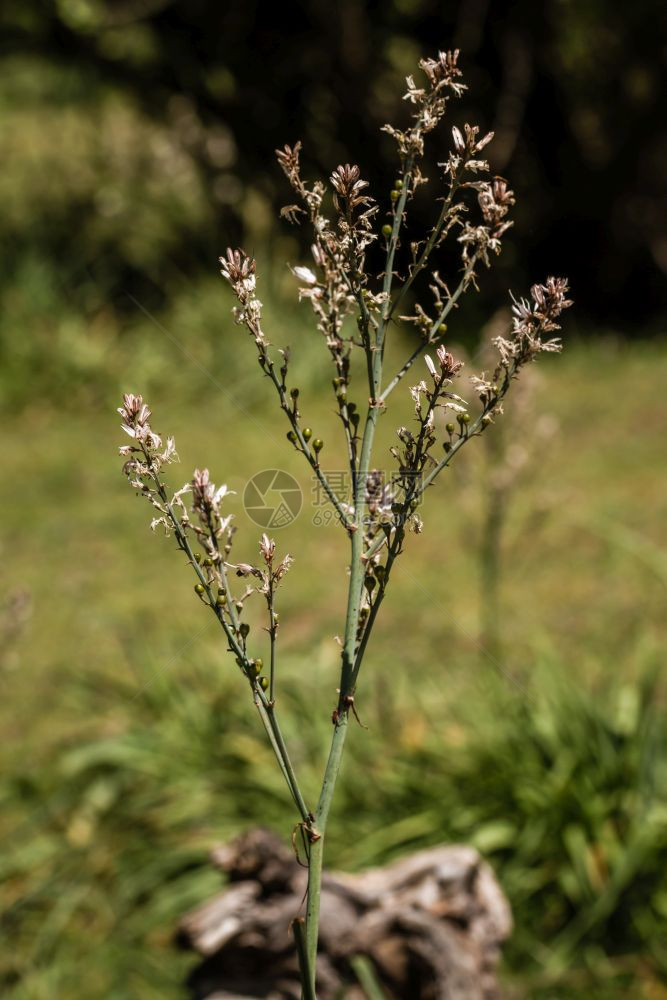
x=375 y=354
x=266 y=710
x=438 y=234
x=312 y=459
x=433 y=337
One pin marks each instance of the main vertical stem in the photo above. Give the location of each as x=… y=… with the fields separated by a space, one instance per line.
x=335 y=753
x=357 y=574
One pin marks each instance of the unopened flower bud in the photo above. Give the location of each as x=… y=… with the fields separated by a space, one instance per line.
x=442 y=328
x=394 y=194
x=264 y=683
x=387 y=231
x=318 y=444
x=197 y=557
x=399 y=184
x=239 y=606
x=259 y=663
x=208 y=561
x=464 y=418
x=486 y=420
x=221 y=600
x=307 y=433
x=291 y=436
x=449 y=428
x=199 y=589
x=253 y=669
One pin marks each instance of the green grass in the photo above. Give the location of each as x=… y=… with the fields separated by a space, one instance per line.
x=125 y=760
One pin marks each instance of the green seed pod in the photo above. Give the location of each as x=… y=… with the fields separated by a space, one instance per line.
x=387 y=231
x=318 y=444
x=442 y=328
x=197 y=557
x=354 y=417
x=208 y=561
x=264 y=683
x=369 y=583
x=394 y=194
x=464 y=418
x=447 y=446
x=449 y=428
x=199 y=589
x=239 y=606
x=307 y=433
x=253 y=669
x=380 y=574
x=399 y=184
x=294 y=393
x=291 y=436
x=341 y=398
x=244 y=628
x=259 y=663
x=221 y=600
x=337 y=382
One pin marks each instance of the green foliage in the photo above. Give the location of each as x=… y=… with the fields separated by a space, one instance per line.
x=564 y=796
x=117 y=783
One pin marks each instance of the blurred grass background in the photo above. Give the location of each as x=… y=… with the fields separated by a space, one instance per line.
x=128 y=744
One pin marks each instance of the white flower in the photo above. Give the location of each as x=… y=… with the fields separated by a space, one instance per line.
x=219 y=494
x=170 y=454
x=267 y=547
x=305 y=274
x=415 y=392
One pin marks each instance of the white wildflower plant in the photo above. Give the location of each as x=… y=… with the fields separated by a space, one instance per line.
x=356 y=307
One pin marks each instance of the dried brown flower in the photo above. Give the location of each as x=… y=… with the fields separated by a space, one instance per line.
x=237 y=267
x=443 y=71
x=349 y=186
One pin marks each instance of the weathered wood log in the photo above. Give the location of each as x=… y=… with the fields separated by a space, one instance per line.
x=431 y=924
